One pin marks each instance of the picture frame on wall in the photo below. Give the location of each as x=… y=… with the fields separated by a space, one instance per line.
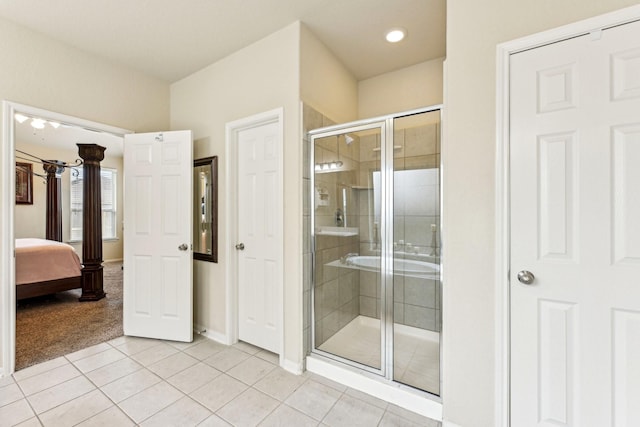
x=24 y=184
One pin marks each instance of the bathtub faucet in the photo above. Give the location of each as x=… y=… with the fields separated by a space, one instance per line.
x=345 y=259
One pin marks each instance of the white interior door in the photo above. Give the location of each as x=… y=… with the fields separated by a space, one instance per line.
x=575 y=225
x=259 y=235
x=158 y=286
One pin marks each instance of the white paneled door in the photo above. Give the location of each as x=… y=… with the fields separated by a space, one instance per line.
x=158 y=287
x=259 y=235
x=575 y=232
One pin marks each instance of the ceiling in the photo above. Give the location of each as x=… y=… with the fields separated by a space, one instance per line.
x=171 y=39
x=65 y=137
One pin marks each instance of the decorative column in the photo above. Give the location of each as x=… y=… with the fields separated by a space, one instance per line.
x=54 y=170
x=92 y=274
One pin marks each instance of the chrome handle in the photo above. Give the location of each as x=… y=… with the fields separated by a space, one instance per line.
x=240 y=246
x=526 y=277
x=183 y=247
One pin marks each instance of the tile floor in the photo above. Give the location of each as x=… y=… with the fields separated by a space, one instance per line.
x=136 y=381
x=416 y=357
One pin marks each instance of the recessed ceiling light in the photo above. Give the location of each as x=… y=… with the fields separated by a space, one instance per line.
x=395 y=35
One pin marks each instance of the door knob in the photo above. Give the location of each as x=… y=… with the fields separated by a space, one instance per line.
x=526 y=277
x=183 y=247
x=240 y=246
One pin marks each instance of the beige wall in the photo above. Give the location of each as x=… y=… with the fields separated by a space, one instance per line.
x=30 y=220
x=412 y=87
x=473 y=31
x=325 y=84
x=42 y=73
x=258 y=78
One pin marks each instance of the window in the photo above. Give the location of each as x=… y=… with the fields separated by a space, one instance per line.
x=108 y=180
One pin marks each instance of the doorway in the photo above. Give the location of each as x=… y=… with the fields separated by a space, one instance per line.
x=7 y=245
x=570 y=299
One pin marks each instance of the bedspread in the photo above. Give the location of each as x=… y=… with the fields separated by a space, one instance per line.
x=38 y=260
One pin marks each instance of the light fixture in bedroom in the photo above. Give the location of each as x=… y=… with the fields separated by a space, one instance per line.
x=37 y=123
x=394 y=35
x=20 y=118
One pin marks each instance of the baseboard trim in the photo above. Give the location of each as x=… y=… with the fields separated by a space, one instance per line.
x=291 y=366
x=212 y=335
x=406 y=398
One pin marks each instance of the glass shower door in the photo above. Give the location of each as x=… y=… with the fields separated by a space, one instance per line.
x=416 y=251
x=346 y=220
x=375 y=217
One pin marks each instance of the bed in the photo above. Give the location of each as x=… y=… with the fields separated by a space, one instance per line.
x=44 y=267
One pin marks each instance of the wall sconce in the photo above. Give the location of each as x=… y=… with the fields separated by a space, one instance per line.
x=328 y=166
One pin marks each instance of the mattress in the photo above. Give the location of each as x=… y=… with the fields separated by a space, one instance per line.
x=39 y=260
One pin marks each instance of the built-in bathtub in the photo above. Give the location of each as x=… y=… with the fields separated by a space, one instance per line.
x=404 y=267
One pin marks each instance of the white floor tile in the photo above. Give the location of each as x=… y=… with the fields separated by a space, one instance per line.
x=59 y=394
x=236 y=413
x=217 y=393
x=16 y=412
x=77 y=410
x=185 y=412
x=134 y=345
x=6 y=380
x=112 y=417
x=367 y=398
x=99 y=360
x=251 y=370
x=393 y=420
x=141 y=406
x=182 y=346
x=154 y=354
x=280 y=384
x=313 y=399
x=287 y=416
x=352 y=412
x=204 y=349
x=247 y=348
x=172 y=365
x=226 y=359
x=193 y=377
x=31 y=422
x=10 y=393
x=48 y=379
x=89 y=351
x=40 y=368
x=129 y=385
x=113 y=371
x=269 y=357
x=214 y=421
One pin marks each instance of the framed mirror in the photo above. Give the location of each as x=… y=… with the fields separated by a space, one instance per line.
x=205 y=209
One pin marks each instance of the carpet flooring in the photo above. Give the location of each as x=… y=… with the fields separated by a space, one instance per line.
x=54 y=325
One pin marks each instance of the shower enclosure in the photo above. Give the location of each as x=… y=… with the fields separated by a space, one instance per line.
x=375 y=227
